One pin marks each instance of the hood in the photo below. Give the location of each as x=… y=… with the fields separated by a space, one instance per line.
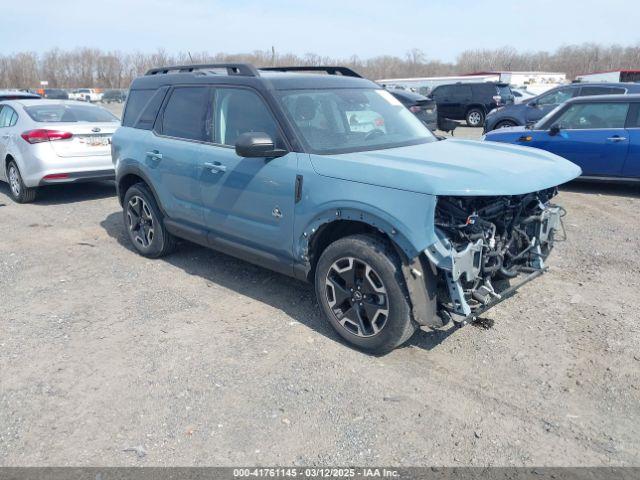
x=452 y=167
x=511 y=108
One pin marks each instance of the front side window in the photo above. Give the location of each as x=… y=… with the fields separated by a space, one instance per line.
x=186 y=114
x=349 y=120
x=582 y=116
x=61 y=113
x=239 y=111
x=557 y=97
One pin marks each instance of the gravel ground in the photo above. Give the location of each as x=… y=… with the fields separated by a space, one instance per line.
x=108 y=358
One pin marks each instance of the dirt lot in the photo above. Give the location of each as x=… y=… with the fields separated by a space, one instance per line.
x=107 y=358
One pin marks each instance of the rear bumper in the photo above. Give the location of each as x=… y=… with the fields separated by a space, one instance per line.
x=78 y=177
x=43 y=162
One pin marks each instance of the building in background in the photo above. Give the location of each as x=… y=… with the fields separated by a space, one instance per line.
x=424 y=85
x=612 y=76
x=534 y=82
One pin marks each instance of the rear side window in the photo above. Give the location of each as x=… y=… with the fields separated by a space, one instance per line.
x=186 y=113
x=69 y=114
x=135 y=103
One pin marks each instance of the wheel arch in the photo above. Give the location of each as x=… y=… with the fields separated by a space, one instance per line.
x=128 y=177
x=418 y=272
x=338 y=223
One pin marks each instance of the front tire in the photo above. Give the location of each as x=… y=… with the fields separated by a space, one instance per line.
x=361 y=290
x=505 y=124
x=475 y=117
x=144 y=223
x=17 y=189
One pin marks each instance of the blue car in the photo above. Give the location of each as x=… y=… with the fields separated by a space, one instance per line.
x=330 y=179
x=599 y=134
x=529 y=112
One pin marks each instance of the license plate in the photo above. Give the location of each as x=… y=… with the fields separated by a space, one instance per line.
x=95 y=141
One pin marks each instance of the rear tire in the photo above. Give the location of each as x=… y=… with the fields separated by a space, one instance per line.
x=144 y=223
x=475 y=117
x=361 y=290
x=19 y=192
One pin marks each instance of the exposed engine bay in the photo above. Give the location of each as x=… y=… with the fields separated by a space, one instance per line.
x=484 y=242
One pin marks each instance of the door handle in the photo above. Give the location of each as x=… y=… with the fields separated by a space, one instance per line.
x=215 y=167
x=616 y=138
x=154 y=155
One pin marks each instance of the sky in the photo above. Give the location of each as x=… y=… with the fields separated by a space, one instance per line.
x=336 y=28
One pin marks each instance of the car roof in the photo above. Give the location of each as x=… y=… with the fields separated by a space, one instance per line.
x=407 y=95
x=274 y=80
x=632 y=97
x=15 y=94
x=29 y=102
x=603 y=84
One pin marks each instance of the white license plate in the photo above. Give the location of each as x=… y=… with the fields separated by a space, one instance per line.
x=95 y=141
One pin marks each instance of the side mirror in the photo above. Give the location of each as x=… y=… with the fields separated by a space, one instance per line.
x=257 y=145
x=533 y=104
x=554 y=130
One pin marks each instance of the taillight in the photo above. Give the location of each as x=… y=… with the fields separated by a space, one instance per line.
x=56 y=176
x=414 y=108
x=379 y=122
x=44 y=135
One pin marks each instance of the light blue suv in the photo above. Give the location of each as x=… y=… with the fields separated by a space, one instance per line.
x=330 y=179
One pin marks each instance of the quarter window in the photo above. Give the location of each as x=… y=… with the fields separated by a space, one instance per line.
x=186 y=114
x=8 y=116
x=241 y=111
x=581 y=116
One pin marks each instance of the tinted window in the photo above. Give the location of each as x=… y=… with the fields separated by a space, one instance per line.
x=557 y=97
x=150 y=111
x=59 y=113
x=135 y=103
x=594 y=115
x=185 y=115
x=241 y=111
x=461 y=92
x=588 y=91
x=441 y=92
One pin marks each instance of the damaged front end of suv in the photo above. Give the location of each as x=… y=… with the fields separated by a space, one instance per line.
x=489 y=246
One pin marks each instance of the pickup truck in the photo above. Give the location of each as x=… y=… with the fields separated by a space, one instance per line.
x=86 y=95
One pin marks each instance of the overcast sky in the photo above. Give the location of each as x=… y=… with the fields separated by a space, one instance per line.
x=337 y=28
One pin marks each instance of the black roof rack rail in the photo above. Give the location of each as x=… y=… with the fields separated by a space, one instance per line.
x=331 y=70
x=242 y=69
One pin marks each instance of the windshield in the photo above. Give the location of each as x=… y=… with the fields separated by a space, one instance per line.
x=350 y=120
x=69 y=113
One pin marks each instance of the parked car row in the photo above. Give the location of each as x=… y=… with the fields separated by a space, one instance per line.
x=327 y=178
x=532 y=110
x=600 y=134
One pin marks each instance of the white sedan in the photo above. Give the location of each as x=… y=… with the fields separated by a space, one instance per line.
x=45 y=142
